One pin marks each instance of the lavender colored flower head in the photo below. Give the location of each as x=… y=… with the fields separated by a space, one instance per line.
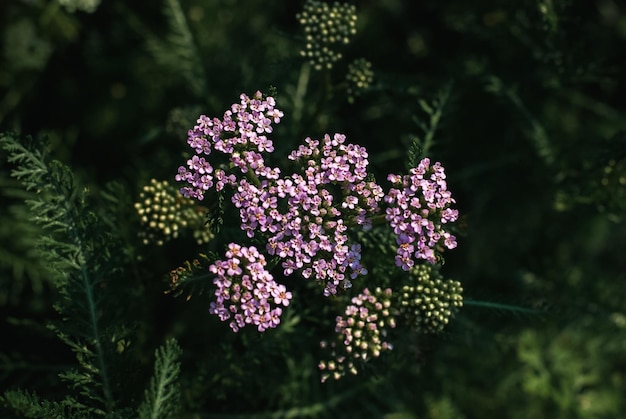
x=309 y=232
x=240 y=135
x=418 y=211
x=246 y=293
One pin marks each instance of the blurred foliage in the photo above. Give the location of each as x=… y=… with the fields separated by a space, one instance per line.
x=532 y=136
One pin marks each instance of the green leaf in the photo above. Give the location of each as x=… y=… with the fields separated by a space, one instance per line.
x=162 y=397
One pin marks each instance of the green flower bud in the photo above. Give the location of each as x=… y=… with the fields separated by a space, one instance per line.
x=429 y=305
x=327 y=26
x=164 y=213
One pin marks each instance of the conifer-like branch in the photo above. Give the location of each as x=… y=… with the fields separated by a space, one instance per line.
x=162 y=397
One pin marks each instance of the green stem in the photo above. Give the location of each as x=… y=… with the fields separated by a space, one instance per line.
x=88 y=287
x=298 y=100
x=323 y=93
x=500 y=306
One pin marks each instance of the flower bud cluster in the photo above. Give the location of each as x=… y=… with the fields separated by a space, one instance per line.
x=360 y=76
x=245 y=291
x=430 y=303
x=164 y=214
x=326 y=27
x=240 y=135
x=361 y=333
x=418 y=211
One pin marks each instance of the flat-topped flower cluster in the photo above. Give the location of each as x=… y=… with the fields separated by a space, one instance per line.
x=240 y=134
x=418 y=211
x=306 y=218
x=245 y=291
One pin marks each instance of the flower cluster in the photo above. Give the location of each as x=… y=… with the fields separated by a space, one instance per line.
x=310 y=232
x=360 y=76
x=432 y=301
x=245 y=291
x=164 y=214
x=332 y=195
x=240 y=135
x=326 y=27
x=361 y=333
x=308 y=221
x=419 y=209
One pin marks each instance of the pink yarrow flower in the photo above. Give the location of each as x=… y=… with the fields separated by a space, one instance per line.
x=240 y=135
x=418 y=210
x=246 y=293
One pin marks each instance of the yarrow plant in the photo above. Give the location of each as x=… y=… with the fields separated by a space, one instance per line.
x=246 y=291
x=360 y=76
x=326 y=26
x=165 y=214
x=307 y=222
x=240 y=134
x=429 y=301
x=419 y=209
x=361 y=333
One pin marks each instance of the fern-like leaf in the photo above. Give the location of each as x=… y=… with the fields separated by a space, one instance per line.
x=421 y=145
x=179 y=52
x=75 y=246
x=30 y=405
x=162 y=397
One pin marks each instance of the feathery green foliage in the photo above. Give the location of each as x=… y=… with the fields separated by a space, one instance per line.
x=521 y=102
x=30 y=405
x=178 y=52
x=75 y=246
x=162 y=397
x=421 y=145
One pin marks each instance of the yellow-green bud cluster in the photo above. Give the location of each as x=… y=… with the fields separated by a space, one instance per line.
x=326 y=27
x=429 y=303
x=360 y=76
x=360 y=334
x=165 y=213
